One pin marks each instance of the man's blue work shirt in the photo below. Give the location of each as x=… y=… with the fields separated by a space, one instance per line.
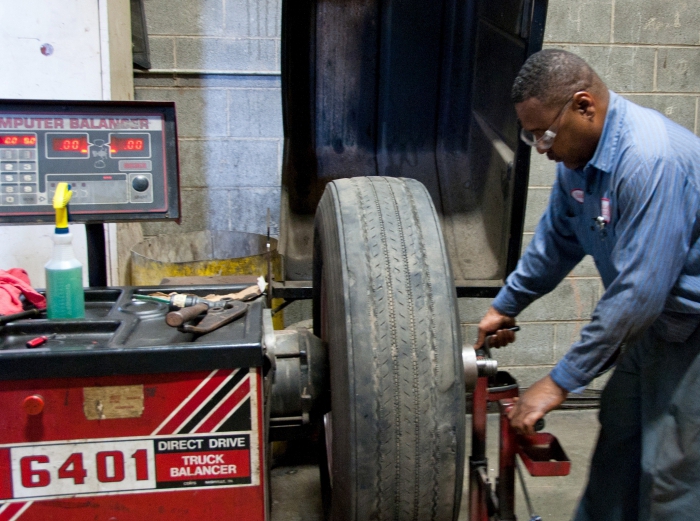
x=634 y=208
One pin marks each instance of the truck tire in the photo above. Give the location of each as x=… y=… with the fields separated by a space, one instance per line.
x=385 y=304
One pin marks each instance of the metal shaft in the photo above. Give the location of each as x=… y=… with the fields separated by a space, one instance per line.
x=530 y=510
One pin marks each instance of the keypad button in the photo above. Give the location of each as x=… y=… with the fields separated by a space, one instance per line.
x=27 y=166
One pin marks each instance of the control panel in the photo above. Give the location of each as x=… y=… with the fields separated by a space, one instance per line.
x=120 y=159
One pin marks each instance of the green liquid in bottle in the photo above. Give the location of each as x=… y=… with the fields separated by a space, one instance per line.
x=65 y=297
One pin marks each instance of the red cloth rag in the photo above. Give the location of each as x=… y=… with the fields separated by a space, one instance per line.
x=13 y=283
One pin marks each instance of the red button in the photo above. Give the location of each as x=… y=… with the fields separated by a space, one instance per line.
x=33 y=404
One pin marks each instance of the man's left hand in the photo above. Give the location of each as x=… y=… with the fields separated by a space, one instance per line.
x=543 y=396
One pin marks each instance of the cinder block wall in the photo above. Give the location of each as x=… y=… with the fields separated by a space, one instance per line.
x=219 y=60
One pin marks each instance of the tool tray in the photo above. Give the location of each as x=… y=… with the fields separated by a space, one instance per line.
x=543 y=455
x=121 y=335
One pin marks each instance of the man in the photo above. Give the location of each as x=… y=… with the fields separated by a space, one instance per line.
x=627 y=192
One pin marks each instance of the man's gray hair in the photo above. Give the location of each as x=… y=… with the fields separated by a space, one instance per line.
x=552 y=76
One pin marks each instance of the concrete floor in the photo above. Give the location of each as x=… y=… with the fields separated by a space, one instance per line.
x=296 y=492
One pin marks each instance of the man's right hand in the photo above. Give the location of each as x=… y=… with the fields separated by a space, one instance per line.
x=495 y=324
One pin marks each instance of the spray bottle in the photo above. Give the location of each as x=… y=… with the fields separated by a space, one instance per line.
x=65 y=298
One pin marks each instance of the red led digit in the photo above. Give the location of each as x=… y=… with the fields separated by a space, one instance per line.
x=70 y=144
x=127 y=145
x=17 y=140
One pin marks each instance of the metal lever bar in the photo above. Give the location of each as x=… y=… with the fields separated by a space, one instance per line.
x=530 y=510
x=4 y=319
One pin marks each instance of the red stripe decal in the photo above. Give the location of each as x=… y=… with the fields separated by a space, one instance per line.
x=226 y=407
x=194 y=402
x=11 y=510
x=5 y=475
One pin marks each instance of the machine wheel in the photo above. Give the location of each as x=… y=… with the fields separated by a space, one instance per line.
x=385 y=304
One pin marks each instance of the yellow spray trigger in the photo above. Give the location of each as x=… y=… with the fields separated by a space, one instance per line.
x=60 y=204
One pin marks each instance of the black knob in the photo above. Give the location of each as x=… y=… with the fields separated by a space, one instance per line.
x=140 y=183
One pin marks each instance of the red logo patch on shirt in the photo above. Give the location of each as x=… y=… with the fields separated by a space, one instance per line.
x=605 y=209
x=577 y=194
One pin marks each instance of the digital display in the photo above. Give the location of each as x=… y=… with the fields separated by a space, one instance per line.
x=129 y=145
x=17 y=140
x=70 y=144
x=120 y=159
x=67 y=146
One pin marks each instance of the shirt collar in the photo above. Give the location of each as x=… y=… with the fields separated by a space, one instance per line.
x=604 y=157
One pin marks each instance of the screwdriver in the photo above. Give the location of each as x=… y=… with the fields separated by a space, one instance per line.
x=180 y=300
x=39 y=341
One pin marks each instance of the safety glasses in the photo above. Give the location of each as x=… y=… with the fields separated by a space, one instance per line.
x=545 y=141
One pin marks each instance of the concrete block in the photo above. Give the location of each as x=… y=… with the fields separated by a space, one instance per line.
x=528 y=375
x=230 y=163
x=246 y=210
x=573 y=299
x=195 y=215
x=261 y=18
x=200 y=112
x=680 y=109
x=145 y=80
x=219 y=210
x=624 y=69
x=572 y=22
x=231 y=81
x=542 y=170
x=180 y=17
x=537 y=200
x=471 y=310
x=255 y=113
x=673 y=22
x=193 y=163
x=533 y=345
x=207 y=54
x=162 y=52
x=678 y=70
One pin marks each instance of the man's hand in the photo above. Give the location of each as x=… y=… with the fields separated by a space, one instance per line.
x=496 y=324
x=538 y=400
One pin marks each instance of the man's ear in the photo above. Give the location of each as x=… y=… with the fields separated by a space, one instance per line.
x=585 y=104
